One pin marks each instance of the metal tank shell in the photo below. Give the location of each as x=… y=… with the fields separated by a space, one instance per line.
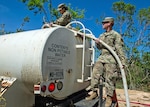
x=33 y=56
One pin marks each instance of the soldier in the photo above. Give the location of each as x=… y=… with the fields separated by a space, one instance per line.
x=66 y=16
x=106 y=65
x=63 y=20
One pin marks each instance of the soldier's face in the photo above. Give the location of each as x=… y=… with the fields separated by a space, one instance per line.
x=61 y=10
x=106 y=25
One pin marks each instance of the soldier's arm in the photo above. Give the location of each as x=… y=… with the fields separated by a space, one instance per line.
x=98 y=44
x=119 y=44
x=63 y=19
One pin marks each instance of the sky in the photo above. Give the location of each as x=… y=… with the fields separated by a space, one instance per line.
x=12 y=13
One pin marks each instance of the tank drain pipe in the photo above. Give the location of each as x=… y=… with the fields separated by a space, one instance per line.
x=120 y=66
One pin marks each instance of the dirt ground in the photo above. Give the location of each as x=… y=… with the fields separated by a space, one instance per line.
x=136 y=98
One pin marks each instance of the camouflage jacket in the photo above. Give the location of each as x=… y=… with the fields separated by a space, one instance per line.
x=114 y=40
x=64 y=19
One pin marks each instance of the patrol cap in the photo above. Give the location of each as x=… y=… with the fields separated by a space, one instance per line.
x=60 y=6
x=108 y=19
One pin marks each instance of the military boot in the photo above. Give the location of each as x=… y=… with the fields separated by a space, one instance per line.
x=108 y=101
x=88 y=88
x=92 y=96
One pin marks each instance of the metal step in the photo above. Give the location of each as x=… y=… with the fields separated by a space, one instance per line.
x=80 y=80
x=88 y=79
x=89 y=65
x=90 y=49
x=79 y=46
x=91 y=103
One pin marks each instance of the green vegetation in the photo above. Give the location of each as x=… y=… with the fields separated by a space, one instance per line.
x=134 y=27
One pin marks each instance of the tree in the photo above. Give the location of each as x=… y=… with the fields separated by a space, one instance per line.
x=135 y=28
x=134 y=25
x=25 y=20
x=2 y=31
x=50 y=13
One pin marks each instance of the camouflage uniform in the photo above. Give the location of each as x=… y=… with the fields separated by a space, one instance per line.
x=106 y=65
x=64 y=19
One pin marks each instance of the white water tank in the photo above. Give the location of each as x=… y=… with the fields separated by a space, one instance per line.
x=29 y=56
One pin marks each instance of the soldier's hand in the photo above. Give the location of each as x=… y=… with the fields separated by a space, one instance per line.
x=97 y=40
x=123 y=66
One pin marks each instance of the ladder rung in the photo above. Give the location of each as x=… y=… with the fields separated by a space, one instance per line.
x=79 y=46
x=91 y=49
x=89 y=78
x=89 y=65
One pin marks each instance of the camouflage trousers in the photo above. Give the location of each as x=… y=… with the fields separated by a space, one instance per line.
x=109 y=74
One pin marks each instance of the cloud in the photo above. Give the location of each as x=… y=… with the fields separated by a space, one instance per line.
x=3 y=9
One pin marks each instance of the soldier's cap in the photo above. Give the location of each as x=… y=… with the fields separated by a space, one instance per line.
x=108 y=19
x=60 y=6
